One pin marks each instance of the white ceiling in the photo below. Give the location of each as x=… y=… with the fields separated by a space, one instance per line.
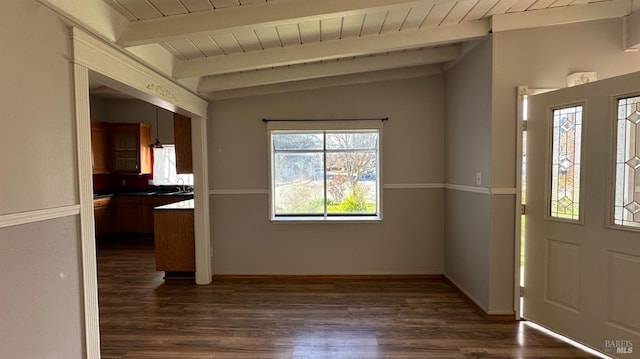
x=229 y=45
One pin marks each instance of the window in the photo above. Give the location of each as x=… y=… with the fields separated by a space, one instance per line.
x=164 y=168
x=325 y=173
x=627 y=186
x=565 y=163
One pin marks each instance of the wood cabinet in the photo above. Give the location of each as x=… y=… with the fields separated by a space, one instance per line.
x=182 y=139
x=99 y=156
x=134 y=214
x=174 y=240
x=129 y=148
x=102 y=216
x=128 y=215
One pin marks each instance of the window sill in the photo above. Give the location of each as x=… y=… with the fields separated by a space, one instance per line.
x=337 y=219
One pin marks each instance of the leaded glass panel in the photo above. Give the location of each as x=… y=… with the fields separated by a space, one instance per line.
x=627 y=191
x=565 y=164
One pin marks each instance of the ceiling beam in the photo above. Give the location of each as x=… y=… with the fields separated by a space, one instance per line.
x=344 y=80
x=328 y=69
x=561 y=15
x=632 y=31
x=262 y=14
x=313 y=52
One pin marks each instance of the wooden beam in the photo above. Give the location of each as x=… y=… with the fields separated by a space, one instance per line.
x=632 y=31
x=561 y=15
x=328 y=69
x=367 y=77
x=319 y=51
x=262 y=14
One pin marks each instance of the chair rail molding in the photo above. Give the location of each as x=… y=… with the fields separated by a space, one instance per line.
x=16 y=219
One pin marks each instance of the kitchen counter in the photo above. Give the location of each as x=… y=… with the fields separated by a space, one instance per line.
x=141 y=192
x=131 y=211
x=182 y=205
x=98 y=196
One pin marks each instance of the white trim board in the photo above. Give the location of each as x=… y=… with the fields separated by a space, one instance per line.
x=465 y=188
x=238 y=191
x=414 y=186
x=16 y=219
x=457 y=187
x=503 y=191
x=386 y=186
x=87 y=228
x=481 y=190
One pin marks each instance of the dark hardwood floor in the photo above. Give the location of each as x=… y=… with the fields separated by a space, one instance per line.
x=144 y=316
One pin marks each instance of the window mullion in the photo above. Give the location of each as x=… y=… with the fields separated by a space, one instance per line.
x=324 y=163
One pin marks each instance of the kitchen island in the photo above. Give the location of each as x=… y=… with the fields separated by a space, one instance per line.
x=174 y=238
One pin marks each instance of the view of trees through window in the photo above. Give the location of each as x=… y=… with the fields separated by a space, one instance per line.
x=325 y=172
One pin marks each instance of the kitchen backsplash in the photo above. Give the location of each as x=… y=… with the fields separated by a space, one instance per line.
x=115 y=181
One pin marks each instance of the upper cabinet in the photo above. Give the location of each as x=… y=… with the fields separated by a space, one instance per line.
x=129 y=147
x=182 y=138
x=99 y=156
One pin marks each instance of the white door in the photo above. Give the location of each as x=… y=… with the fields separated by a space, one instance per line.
x=582 y=265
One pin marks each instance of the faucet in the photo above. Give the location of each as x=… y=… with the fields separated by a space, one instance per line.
x=184 y=187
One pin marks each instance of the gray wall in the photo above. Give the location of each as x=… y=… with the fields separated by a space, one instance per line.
x=40 y=302
x=40 y=315
x=37 y=136
x=528 y=57
x=409 y=239
x=468 y=117
x=468 y=150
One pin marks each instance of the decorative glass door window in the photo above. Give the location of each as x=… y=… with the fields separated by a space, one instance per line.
x=627 y=188
x=565 y=163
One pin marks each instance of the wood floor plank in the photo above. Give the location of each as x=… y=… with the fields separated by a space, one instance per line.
x=143 y=316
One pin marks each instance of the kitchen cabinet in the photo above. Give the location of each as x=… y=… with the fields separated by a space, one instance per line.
x=182 y=139
x=134 y=213
x=129 y=147
x=102 y=216
x=99 y=148
x=128 y=215
x=174 y=238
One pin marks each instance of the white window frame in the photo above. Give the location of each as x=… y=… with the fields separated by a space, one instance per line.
x=324 y=125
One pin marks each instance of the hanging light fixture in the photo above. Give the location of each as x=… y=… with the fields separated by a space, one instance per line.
x=157 y=144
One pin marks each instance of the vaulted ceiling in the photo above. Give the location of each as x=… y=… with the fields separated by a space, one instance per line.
x=226 y=46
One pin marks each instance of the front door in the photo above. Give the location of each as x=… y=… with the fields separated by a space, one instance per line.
x=582 y=246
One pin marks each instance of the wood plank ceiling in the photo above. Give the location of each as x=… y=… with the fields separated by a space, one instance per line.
x=232 y=44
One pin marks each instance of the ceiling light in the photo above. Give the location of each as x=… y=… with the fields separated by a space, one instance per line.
x=157 y=144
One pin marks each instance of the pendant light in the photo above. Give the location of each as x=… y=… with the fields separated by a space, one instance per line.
x=157 y=144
